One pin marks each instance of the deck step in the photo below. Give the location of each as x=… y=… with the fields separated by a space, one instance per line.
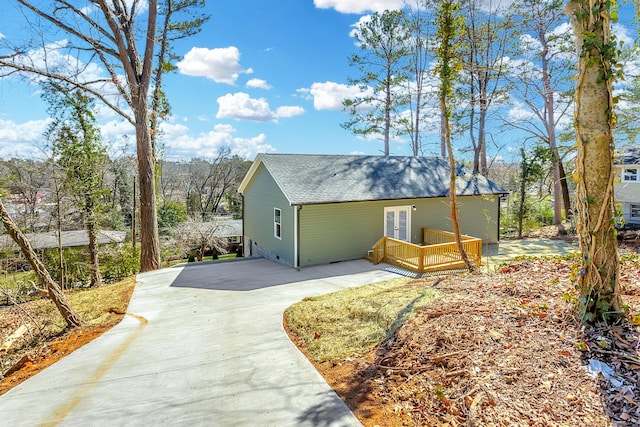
x=401 y=271
x=408 y=273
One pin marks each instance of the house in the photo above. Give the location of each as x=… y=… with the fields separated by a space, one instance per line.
x=231 y=231
x=627 y=187
x=69 y=239
x=304 y=210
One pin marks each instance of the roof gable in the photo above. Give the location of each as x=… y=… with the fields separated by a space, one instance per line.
x=629 y=155
x=315 y=179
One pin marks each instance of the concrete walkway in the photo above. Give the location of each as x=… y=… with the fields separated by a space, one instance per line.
x=495 y=254
x=204 y=346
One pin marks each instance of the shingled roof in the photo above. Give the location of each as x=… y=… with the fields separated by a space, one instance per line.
x=629 y=155
x=316 y=179
x=70 y=239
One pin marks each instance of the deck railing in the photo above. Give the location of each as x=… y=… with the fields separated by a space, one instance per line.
x=439 y=252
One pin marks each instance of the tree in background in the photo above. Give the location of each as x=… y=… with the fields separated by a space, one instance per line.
x=70 y=317
x=169 y=31
x=25 y=178
x=598 y=274
x=532 y=170
x=121 y=37
x=450 y=24
x=112 y=34
x=79 y=151
x=196 y=236
x=544 y=83
x=488 y=40
x=382 y=67
x=210 y=180
x=419 y=52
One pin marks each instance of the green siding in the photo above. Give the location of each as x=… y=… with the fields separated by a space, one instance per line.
x=343 y=231
x=478 y=216
x=261 y=196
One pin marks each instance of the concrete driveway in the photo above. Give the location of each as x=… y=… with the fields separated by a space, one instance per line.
x=204 y=345
x=505 y=250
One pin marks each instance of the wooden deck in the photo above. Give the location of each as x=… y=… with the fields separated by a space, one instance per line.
x=438 y=253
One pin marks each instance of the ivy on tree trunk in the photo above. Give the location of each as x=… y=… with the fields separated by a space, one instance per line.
x=598 y=273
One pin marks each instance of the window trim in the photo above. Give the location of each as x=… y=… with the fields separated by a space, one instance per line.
x=635 y=173
x=634 y=207
x=277 y=223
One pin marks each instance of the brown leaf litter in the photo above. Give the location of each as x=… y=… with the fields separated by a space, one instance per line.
x=501 y=349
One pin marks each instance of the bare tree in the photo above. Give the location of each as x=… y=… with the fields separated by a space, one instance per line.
x=420 y=92
x=26 y=179
x=107 y=32
x=200 y=236
x=488 y=40
x=544 y=84
x=54 y=291
x=210 y=180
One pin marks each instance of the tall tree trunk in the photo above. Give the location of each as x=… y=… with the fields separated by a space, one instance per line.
x=449 y=25
x=523 y=188
x=599 y=270
x=482 y=137
x=92 y=233
x=387 y=114
x=556 y=161
x=55 y=293
x=453 y=202
x=566 y=200
x=149 y=241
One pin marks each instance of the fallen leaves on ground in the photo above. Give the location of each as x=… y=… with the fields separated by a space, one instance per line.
x=500 y=349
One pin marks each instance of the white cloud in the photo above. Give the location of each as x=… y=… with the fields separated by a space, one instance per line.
x=258 y=84
x=180 y=145
x=220 y=65
x=359 y=6
x=23 y=140
x=241 y=106
x=54 y=57
x=289 y=111
x=622 y=34
x=116 y=130
x=329 y=95
x=224 y=128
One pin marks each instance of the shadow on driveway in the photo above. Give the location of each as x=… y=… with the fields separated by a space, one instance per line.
x=253 y=274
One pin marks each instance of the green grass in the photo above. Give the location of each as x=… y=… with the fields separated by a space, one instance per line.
x=351 y=322
x=16 y=285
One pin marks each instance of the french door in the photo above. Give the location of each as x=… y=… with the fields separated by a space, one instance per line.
x=397 y=222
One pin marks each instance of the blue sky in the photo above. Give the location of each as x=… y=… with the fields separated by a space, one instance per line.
x=262 y=76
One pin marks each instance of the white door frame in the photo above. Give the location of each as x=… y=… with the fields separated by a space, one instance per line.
x=397 y=232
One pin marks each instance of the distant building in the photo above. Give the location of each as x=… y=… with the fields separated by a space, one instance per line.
x=627 y=184
x=70 y=239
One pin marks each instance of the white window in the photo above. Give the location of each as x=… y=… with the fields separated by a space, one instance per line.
x=277 y=223
x=635 y=211
x=233 y=239
x=630 y=175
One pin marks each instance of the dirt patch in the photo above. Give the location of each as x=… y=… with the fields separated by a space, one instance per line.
x=36 y=359
x=47 y=341
x=500 y=349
